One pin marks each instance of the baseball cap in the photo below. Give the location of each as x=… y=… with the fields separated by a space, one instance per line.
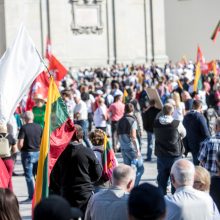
x=146 y=202
x=57 y=208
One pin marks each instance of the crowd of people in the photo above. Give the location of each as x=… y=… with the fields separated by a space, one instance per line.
x=115 y=103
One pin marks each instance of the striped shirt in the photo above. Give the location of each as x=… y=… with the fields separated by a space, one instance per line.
x=208 y=151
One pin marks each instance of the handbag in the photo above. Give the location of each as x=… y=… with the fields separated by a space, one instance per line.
x=5 y=150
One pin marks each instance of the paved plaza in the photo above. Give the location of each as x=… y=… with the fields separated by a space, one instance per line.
x=20 y=188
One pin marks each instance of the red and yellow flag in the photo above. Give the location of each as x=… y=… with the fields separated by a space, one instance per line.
x=197 y=77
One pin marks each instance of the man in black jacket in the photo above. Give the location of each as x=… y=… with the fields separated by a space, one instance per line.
x=168 y=147
x=75 y=171
x=149 y=116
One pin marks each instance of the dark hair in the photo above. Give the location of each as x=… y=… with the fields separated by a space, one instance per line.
x=152 y=102
x=129 y=108
x=197 y=104
x=78 y=134
x=146 y=202
x=9 y=208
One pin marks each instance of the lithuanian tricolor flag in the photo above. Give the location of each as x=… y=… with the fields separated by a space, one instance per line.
x=109 y=161
x=57 y=133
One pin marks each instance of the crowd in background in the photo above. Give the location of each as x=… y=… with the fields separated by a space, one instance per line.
x=115 y=101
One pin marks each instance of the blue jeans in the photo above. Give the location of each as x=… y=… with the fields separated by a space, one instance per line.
x=84 y=124
x=29 y=161
x=128 y=156
x=150 y=144
x=164 y=165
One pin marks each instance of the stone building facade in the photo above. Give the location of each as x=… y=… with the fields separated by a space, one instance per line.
x=90 y=32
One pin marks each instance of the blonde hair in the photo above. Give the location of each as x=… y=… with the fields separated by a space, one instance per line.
x=176 y=98
x=202 y=179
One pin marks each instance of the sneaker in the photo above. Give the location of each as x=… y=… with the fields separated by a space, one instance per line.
x=26 y=201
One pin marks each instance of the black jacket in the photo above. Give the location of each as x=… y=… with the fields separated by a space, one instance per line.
x=74 y=173
x=167 y=139
x=149 y=117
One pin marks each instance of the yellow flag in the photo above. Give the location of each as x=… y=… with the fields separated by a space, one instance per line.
x=197 y=76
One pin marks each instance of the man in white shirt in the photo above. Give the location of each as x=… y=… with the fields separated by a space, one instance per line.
x=81 y=117
x=194 y=204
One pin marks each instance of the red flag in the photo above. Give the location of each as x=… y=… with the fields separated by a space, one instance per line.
x=39 y=86
x=215 y=33
x=57 y=69
x=4 y=176
x=200 y=58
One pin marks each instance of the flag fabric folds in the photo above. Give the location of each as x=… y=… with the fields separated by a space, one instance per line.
x=215 y=32
x=56 y=68
x=197 y=77
x=125 y=95
x=4 y=176
x=19 y=66
x=57 y=133
x=109 y=160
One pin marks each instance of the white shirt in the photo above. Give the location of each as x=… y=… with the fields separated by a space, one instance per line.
x=178 y=112
x=99 y=114
x=194 y=204
x=81 y=108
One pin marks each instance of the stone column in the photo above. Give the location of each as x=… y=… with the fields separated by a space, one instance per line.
x=158 y=15
x=148 y=31
x=110 y=32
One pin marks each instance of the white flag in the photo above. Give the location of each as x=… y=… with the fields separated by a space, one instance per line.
x=19 y=66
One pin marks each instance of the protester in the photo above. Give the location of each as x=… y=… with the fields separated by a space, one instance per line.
x=75 y=171
x=116 y=111
x=101 y=115
x=81 y=117
x=9 y=144
x=146 y=202
x=202 y=179
x=149 y=116
x=9 y=207
x=112 y=203
x=56 y=208
x=39 y=109
x=97 y=138
x=168 y=146
x=215 y=183
x=194 y=204
x=209 y=149
x=29 y=139
x=179 y=109
x=130 y=149
x=196 y=130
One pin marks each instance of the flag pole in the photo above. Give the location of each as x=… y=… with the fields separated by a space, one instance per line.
x=42 y=60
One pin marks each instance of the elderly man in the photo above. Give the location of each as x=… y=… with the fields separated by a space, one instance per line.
x=194 y=204
x=29 y=139
x=168 y=146
x=112 y=203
